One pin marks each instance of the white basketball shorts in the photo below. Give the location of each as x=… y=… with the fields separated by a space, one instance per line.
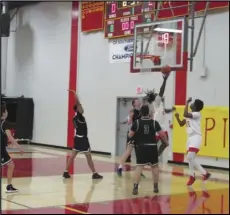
x=194 y=143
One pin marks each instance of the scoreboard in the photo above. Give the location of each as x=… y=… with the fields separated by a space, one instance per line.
x=122 y=16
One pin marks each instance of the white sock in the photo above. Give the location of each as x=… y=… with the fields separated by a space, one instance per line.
x=191 y=168
x=120 y=166
x=191 y=158
x=199 y=167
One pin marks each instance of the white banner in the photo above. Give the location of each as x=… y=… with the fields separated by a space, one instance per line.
x=120 y=50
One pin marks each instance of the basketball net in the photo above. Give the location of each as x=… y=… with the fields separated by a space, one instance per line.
x=160 y=45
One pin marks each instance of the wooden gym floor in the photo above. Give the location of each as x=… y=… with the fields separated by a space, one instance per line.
x=38 y=176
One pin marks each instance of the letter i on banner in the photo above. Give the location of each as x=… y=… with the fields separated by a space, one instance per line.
x=209 y=125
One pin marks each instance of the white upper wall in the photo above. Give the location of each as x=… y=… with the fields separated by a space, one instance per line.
x=212 y=56
x=38 y=66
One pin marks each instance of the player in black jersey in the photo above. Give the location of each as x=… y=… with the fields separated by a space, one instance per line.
x=134 y=114
x=81 y=141
x=5 y=158
x=143 y=131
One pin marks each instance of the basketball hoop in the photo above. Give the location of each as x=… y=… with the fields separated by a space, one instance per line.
x=157 y=57
x=156 y=60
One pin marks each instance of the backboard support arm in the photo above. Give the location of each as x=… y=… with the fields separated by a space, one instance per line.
x=152 y=29
x=193 y=50
x=192 y=27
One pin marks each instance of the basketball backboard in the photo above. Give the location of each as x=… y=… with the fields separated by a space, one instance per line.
x=160 y=43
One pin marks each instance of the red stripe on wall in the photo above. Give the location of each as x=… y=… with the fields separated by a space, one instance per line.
x=180 y=87
x=72 y=71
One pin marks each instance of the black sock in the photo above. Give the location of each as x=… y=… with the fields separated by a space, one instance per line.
x=135 y=186
x=155 y=185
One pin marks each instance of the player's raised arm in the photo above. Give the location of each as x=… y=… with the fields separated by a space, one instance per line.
x=78 y=105
x=165 y=78
x=186 y=112
x=77 y=101
x=180 y=122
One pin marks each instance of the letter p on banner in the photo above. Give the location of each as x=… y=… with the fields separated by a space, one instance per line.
x=215 y=132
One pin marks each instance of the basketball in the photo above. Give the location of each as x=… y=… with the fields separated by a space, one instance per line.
x=166 y=70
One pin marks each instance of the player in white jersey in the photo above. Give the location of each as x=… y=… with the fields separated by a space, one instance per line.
x=158 y=109
x=193 y=125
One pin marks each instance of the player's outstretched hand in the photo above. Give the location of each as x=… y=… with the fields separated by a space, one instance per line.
x=166 y=70
x=177 y=115
x=189 y=100
x=71 y=91
x=173 y=108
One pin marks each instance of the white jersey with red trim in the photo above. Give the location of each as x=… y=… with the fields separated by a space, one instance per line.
x=159 y=111
x=193 y=124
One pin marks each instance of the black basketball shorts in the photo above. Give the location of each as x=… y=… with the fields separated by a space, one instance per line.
x=5 y=157
x=81 y=144
x=147 y=155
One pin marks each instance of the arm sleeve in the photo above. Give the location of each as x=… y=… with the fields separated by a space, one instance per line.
x=157 y=126
x=195 y=115
x=134 y=126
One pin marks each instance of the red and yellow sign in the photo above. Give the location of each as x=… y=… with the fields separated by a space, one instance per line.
x=215 y=133
x=92 y=16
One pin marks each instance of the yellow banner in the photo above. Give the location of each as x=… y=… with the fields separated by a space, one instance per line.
x=215 y=132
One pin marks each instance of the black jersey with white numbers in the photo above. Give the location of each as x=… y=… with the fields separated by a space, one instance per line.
x=145 y=131
x=80 y=125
